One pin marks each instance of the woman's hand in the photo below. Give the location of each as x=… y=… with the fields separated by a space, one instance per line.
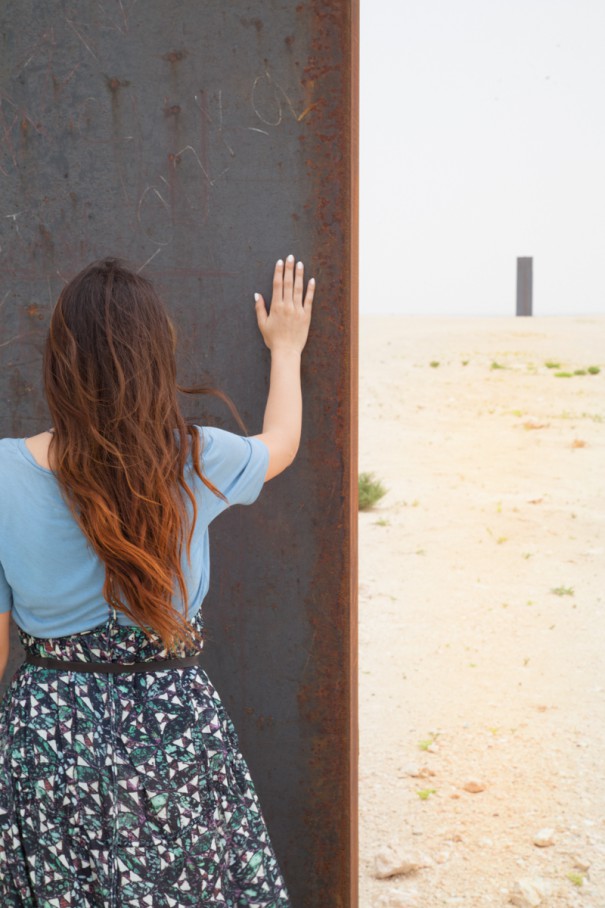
x=287 y=324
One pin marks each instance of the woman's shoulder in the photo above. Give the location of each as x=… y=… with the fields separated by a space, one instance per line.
x=219 y=442
x=236 y=464
x=37 y=446
x=222 y=450
x=214 y=442
x=8 y=447
x=32 y=449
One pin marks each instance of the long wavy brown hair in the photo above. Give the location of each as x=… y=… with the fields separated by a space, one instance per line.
x=120 y=442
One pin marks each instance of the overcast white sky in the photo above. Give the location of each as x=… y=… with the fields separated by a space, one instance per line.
x=482 y=138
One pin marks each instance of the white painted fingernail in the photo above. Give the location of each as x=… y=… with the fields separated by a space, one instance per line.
x=280 y=262
x=256 y=297
x=290 y=258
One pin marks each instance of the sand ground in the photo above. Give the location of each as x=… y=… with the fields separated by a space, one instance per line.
x=496 y=499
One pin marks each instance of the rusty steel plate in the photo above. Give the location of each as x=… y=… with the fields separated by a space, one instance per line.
x=201 y=142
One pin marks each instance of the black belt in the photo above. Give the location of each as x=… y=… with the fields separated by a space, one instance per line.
x=153 y=665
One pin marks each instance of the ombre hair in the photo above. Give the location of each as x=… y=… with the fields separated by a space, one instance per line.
x=120 y=444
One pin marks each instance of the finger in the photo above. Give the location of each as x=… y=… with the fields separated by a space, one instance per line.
x=310 y=292
x=289 y=278
x=261 y=309
x=298 y=284
x=278 y=276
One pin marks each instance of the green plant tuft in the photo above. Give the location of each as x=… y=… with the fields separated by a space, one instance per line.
x=371 y=490
x=424 y=745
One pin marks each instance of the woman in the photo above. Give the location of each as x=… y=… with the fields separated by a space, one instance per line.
x=121 y=778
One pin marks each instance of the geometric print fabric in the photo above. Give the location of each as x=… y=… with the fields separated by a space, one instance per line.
x=129 y=789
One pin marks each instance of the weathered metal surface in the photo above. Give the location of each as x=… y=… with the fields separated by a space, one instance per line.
x=202 y=141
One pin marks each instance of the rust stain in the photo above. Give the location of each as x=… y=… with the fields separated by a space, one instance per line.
x=47 y=240
x=264 y=721
x=172 y=111
x=34 y=311
x=175 y=56
x=328 y=699
x=114 y=84
x=257 y=23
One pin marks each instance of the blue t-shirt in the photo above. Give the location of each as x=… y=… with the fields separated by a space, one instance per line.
x=51 y=578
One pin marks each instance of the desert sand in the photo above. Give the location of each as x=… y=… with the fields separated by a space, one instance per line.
x=482 y=612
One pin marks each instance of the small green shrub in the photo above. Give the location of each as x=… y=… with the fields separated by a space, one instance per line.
x=434 y=363
x=371 y=490
x=426 y=742
x=594 y=370
x=551 y=365
x=562 y=590
x=563 y=374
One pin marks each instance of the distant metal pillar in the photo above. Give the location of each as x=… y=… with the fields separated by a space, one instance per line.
x=524 y=285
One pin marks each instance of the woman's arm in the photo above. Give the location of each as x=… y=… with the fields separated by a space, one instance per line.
x=285 y=332
x=5 y=628
x=283 y=413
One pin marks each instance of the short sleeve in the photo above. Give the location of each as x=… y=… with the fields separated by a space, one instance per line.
x=235 y=464
x=6 y=594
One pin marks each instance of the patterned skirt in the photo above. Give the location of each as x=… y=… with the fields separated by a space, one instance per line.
x=126 y=789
